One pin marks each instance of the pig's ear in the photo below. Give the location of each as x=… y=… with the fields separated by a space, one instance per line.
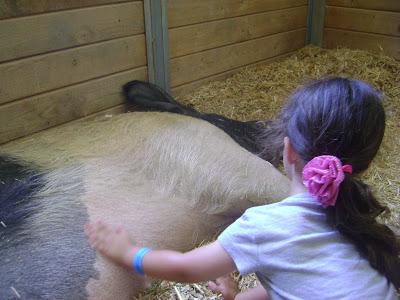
x=150 y=97
x=145 y=91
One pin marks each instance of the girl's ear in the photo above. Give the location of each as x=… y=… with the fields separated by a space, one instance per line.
x=291 y=155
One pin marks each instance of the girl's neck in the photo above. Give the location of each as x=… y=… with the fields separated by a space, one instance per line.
x=296 y=185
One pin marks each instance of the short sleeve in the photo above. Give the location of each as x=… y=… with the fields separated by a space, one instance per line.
x=239 y=240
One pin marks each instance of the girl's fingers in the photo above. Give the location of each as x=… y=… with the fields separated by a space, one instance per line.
x=88 y=228
x=119 y=229
x=92 y=242
x=214 y=287
x=98 y=225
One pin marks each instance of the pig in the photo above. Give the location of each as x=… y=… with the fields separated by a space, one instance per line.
x=171 y=179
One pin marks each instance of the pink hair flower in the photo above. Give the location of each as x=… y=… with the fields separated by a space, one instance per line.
x=322 y=176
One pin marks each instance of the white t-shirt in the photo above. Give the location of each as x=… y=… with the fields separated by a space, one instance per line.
x=296 y=254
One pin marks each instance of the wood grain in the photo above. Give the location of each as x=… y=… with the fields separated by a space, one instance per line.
x=19 y=8
x=390 y=5
x=334 y=38
x=24 y=117
x=379 y=22
x=199 y=37
x=189 y=87
x=210 y=62
x=107 y=113
x=42 y=73
x=23 y=37
x=184 y=12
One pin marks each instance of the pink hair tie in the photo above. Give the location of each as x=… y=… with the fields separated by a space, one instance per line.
x=322 y=176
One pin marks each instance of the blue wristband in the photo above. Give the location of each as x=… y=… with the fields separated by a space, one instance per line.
x=137 y=260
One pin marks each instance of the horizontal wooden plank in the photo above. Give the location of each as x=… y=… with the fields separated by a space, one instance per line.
x=334 y=38
x=183 y=12
x=48 y=32
x=380 y=22
x=19 y=8
x=390 y=5
x=107 y=113
x=39 y=74
x=104 y=114
x=192 y=67
x=189 y=87
x=24 y=117
x=199 y=37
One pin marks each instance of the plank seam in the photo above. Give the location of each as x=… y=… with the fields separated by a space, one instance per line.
x=364 y=9
x=97 y=112
x=68 y=48
x=226 y=18
x=26 y=98
x=363 y=32
x=237 y=17
x=235 y=68
x=61 y=124
x=369 y=9
x=68 y=9
x=238 y=43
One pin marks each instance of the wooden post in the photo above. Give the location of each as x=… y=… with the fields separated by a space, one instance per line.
x=156 y=24
x=315 y=22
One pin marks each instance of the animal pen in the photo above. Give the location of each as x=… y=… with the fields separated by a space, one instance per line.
x=65 y=61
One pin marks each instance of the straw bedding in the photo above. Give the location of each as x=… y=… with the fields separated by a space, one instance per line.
x=260 y=92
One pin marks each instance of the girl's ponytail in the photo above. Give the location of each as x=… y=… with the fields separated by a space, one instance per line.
x=345 y=119
x=354 y=215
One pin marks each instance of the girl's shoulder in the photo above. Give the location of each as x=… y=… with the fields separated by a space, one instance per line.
x=292 y=214
x=296 y=204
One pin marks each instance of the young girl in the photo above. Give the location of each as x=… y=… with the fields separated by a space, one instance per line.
x=322 y=242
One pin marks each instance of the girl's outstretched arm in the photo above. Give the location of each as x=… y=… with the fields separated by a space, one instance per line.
x=201 y=264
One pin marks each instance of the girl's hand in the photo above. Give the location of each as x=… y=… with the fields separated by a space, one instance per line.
x=226 y=286
x=111 y=241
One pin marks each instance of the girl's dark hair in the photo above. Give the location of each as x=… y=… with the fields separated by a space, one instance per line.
x=345 y=118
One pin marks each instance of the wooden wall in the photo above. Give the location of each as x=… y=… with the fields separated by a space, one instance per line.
x=67 y=59
x=64 y=60
x=363 y=24
x=211 y=39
